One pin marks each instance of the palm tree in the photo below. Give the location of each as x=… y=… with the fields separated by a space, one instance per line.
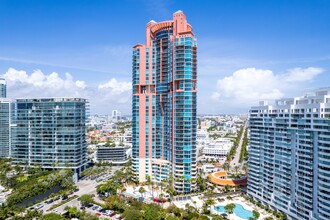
x=245 y=168
x=230 y=207
x=142 y=191
x=152 y=188
x=226 y=167
x=236 y=170
x=256 y=214
x=162 y=186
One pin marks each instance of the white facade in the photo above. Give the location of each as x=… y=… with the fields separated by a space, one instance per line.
x=289 y=155
x=202 y=135
x=218 y=148
x=208 y=168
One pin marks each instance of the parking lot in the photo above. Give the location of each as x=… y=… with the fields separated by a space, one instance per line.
x=98 y=211
x=85 y=186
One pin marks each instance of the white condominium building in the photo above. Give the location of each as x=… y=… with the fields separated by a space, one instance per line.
x=289 y=155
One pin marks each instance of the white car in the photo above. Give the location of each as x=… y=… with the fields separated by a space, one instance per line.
x=39 y=206
x=109 y=212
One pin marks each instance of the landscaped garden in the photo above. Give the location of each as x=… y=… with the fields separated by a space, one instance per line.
x=30 y=185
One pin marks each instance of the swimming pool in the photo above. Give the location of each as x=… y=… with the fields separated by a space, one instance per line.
x=239 y=210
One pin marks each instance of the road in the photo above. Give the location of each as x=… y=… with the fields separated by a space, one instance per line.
x=85 y=187
x=235 y=161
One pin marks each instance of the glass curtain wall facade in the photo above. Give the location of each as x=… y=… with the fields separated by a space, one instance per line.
x=164 y=104
x=3 y=90
x=289 y=155
x=6 y=108
x=50 y=133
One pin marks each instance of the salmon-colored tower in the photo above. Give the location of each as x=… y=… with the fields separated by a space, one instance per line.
x=164 y=102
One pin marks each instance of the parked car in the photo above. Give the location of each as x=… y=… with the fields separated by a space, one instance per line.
x=94 y=207
x=39 y=206
x=49 y=201
x=109 y=212
x=89 y=205
x=112 y=214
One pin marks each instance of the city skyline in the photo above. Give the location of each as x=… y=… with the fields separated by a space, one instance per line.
x=283 y=45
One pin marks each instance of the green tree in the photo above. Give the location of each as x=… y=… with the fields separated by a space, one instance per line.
x=86 y=199
x=256 y=214
x=32 y=214
x=142 y=190
x=115 y=203
x=245 y=168
x=201 y=182
x=152 y=212
x=226 y=166
x=52 y=216
x=87 y=216
x=236 y=168
x=73 y=211
x=230 y=207
x=207 y=204
x=132 y=214
x=227 y=188
x=172 y=217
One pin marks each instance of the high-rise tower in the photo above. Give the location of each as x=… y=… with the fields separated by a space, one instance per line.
x=3 y=92
x=6 y=108
x=289 y=155
x=164 y=104
x=5 y=118
x=50 y=132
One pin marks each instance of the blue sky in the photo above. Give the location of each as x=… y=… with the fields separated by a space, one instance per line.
x=247 y=50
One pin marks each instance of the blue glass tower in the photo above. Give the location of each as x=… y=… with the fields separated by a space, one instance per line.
x=164 y=104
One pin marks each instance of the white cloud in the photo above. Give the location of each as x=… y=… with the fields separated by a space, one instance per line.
x=115 y=86
x=109 y=95
x=81 y=84
x=38 y=84
x=115 y=91
x=245 y=87
x=300 y=74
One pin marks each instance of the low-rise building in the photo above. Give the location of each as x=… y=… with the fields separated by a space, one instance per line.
x=218 y=148
x=111 y=154
x=208 y=168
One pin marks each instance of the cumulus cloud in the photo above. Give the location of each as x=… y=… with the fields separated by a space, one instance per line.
x=301 y=75
x=245 y=87
x=38 y=84
x=113 y=94
x=115 y=86
x=113 y=90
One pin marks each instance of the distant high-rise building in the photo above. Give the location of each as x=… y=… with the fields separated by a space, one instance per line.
x=50 y=132
x=116 y=115
x=3 y=91
x=164 y=104
x=6 y=109
x=289 y=155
